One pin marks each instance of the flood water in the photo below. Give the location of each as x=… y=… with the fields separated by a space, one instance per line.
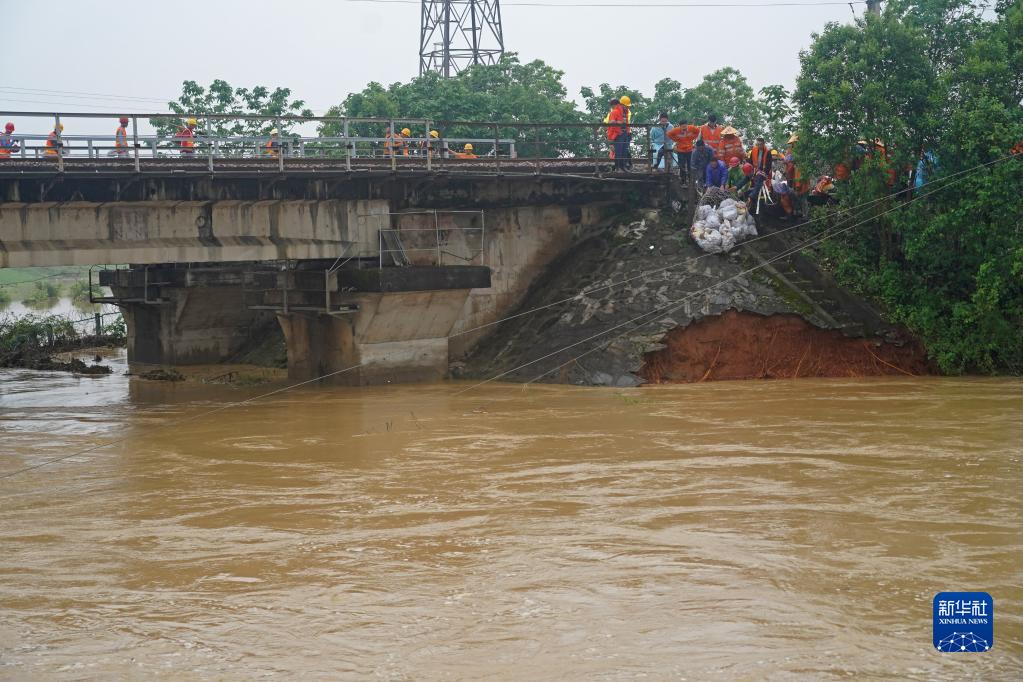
x=734 y=530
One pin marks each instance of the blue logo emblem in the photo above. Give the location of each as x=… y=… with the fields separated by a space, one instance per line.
x=964 y=621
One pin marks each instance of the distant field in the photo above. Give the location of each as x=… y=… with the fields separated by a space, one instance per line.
x=18 y=283
x=9 y=276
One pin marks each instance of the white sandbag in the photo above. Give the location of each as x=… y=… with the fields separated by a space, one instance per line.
x=703 y=211
x=713 y=220
x=727 y=242
x=729 y=212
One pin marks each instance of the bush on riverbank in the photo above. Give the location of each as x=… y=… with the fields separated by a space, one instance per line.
x=32 y=340
x=43 y=293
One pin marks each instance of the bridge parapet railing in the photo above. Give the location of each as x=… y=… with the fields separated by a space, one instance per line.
x=228 y=139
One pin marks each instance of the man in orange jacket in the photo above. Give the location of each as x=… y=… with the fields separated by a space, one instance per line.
x=684 y=135
x=619 y=132
x=711 y=132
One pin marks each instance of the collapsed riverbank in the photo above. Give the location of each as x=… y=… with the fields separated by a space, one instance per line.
x=641 y=303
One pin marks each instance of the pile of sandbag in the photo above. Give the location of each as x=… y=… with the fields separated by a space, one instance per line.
x=717 y=229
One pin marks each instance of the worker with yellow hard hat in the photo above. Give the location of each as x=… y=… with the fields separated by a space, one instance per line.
x=53 y=141
x=273 y=145
x=394 y=142
x=426 y=146
x=466 y=153
x=186 y=137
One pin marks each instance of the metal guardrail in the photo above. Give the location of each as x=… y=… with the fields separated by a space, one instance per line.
x=526 y=144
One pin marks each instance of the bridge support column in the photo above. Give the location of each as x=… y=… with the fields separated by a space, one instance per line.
x=394 y=337
x=180 y=323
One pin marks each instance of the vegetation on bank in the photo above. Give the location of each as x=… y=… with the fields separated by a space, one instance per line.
x=43 y=293
x=927 y=78
x=31 y=341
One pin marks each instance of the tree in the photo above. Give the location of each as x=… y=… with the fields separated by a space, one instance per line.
x=779 y=115
x=508 y=91
x=727 y=93
x=931 y=76
x=221 y=98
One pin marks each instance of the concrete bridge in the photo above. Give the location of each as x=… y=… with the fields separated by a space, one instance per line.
x=359 y=262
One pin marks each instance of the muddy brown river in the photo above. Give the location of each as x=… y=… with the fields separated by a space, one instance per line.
x=728 y=531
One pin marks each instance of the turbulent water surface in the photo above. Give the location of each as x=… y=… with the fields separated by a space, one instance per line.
x=733 y=530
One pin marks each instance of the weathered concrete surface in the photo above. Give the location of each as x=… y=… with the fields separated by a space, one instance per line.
x=628 y=287
x=521 y=243
x=392 y=338
x=190 y=326
x=85 y=233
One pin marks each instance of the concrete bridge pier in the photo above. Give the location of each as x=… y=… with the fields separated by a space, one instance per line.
x=398 y=337
x=185 y=317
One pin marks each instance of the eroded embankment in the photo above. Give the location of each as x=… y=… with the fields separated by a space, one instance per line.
x=744 y=345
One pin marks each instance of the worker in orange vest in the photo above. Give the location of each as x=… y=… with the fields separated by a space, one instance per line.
x=711 y=132
x=186 y=137
x=394 y=143
x=121 y=137
x=684 y=135
x=466 y=153
x=53 y=141
x=620 y=133
x=7 y=143
x=730 y=144
x=273 y=145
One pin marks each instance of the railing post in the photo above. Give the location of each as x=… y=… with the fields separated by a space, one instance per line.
x=497 y=148
x=280 y=148
x=436 y=227
x=99 y=324
x=483 y=238
x=348 y=148
x=135 y=141
x=88 y=146
x=209 y=145
x=390 y=131
x=429 y=148
x=60 y=146
x=536 y=150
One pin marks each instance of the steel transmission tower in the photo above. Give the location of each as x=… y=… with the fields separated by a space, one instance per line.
x=459 y=33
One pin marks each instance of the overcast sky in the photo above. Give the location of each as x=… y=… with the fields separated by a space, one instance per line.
x=324 y=50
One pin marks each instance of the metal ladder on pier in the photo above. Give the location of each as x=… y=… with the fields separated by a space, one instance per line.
x=394 y=248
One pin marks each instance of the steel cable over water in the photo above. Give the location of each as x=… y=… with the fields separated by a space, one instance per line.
x=676 y=303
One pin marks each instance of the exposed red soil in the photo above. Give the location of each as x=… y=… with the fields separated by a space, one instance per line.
x=739 y=345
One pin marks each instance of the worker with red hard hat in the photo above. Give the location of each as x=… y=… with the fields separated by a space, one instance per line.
x=121 y=137
x=7 y=143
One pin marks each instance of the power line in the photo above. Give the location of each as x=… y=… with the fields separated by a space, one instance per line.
x=39 y=279
x=79 y=92
x=675 y=303
x=673 y=5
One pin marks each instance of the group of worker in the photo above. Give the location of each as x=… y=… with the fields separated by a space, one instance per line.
x=400 y=143
x=713 y=155
x=396 y=142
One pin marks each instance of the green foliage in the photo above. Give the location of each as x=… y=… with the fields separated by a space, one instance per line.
x=79 y=291
x=931 y=76
x=221 y=98
x=5 y=298
x=506 y=91
x=44 y=293
x=32 y=334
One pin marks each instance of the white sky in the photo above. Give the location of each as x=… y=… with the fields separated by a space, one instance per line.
x=324 y=50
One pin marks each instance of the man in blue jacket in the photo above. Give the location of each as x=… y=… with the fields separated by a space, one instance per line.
x=717 y=173
x=661 y=143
